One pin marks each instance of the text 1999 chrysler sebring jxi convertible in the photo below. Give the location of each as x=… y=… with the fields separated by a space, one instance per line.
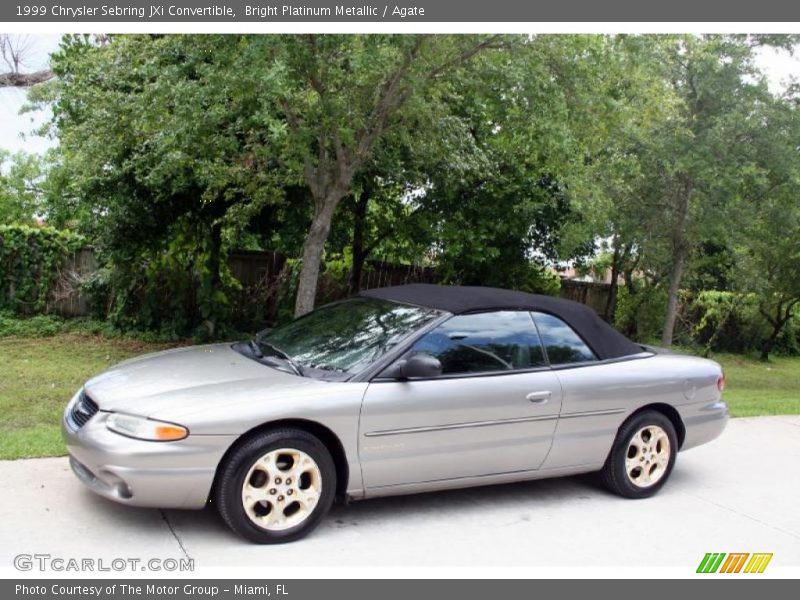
x=399 y=390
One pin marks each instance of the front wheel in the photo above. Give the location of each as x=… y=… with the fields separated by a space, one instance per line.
x=276 y=487
x=642 y=457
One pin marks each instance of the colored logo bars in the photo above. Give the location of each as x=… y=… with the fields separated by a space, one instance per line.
x=716 y=562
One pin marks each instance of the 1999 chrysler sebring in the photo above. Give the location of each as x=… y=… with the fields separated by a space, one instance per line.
x=399 y=390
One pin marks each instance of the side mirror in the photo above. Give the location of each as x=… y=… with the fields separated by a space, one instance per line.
x=420 y=365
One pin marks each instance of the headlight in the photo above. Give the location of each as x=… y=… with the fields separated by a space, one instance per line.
x=145 y=429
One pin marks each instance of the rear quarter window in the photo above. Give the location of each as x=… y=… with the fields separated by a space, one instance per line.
x=562 y=344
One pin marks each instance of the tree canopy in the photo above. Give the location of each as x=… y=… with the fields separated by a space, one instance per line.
x=493 y=158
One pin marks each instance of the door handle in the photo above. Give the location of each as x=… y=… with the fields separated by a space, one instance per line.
x=539 y=397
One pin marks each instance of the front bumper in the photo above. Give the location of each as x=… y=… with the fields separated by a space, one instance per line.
x=142 y=473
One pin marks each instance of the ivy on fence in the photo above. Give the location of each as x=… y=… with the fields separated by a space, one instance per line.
x=31 y=260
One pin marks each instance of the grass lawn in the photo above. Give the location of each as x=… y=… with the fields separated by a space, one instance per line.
x=753 y=387
x=39 y=375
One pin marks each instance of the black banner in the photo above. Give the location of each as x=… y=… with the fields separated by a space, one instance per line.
x=459 y=11
x=315 y=589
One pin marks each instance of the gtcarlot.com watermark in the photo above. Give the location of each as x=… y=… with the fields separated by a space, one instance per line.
x=47 y=562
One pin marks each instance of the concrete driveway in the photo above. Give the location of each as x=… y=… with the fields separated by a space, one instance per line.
x=740 y=493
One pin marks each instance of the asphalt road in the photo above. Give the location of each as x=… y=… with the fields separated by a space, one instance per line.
x=740 y=493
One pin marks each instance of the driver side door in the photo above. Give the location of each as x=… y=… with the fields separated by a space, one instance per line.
x=493 y=409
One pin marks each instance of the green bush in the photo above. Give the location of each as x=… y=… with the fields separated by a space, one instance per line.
x=37 y=326
x=49 y=325
x=788 y=342
x=640 y=315
x=732 y=322
x=708 y=321
x=31 y=259
x=41 y=326
x=535 y=279
x=724 y=321
x=173 y=292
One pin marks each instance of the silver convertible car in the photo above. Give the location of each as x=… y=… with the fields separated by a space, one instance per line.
x=398 y=390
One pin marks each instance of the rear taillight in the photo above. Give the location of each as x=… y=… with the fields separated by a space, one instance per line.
x=721 y=382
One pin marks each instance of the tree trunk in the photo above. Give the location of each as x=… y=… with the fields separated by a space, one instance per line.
x=611 y=301
x=312 y=254
x=679 y=254
x=359 y=253
x=769 y=343
x=782 y=316
x=678 y=262
x=14 y=79
x=215 y=256
x=214 y=266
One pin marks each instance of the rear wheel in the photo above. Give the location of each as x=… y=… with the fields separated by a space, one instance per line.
x=642 y=457
x=276 y=487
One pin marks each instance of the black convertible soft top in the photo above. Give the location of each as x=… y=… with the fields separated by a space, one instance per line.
x=599 y=335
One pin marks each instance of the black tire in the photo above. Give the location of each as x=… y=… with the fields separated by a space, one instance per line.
x=614 y=475
x=237 y=465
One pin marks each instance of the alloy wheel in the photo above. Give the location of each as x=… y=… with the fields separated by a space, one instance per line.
x=647 y=457
x=281 y=489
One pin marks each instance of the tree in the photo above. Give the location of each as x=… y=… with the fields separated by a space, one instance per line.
x=339 y=95
x=531 y=115
x=702 y=157
x=678 y=161
x=15 y=51
x=766 y=236
x=167 y=143
x=614 y=192
x=388 y=213
x=378 y=214
x=768 y=264
x=668 y=176
x=20 y=187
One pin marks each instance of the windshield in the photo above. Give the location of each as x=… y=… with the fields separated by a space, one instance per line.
x=346 y=336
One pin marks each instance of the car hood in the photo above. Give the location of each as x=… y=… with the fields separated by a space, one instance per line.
x=184 y=378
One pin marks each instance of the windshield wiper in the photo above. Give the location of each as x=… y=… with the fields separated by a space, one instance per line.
x=296 y=367
x=255 y=349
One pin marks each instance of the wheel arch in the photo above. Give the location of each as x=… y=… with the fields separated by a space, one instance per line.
x=668 y=411
x=318 y=430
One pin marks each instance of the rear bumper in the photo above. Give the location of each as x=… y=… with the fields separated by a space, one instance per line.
x=704 y=422
x=141 y=473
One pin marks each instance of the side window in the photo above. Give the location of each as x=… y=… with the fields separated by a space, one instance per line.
x=484 y=342
x=562 y=343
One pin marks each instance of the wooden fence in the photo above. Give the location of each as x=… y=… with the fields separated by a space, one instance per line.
x=262 y=276
x=67 y=298
x=592 y=294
